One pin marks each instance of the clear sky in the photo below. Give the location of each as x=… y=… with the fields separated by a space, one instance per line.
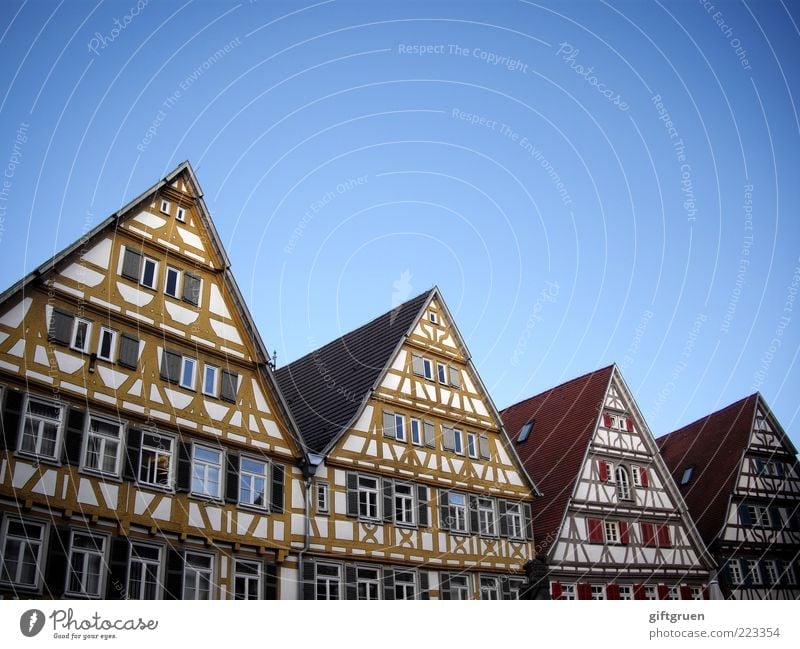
x=587 y=182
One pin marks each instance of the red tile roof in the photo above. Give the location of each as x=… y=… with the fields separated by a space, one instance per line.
x=564 y=421
x=714 y=446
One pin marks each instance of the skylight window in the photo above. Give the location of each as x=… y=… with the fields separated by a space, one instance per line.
x=687 y=475
x=525 y=431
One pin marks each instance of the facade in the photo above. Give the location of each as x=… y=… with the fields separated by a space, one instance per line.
x=738 y=472
x=415 y=490
x=611 y=523
x=145 y=451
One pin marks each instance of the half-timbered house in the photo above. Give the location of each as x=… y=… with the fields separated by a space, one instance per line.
x=610 y=523
x=145 y=450
x=738 y=472
x=415 y=490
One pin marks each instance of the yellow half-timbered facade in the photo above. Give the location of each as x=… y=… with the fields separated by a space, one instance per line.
x=415 y=491
x=146 y=452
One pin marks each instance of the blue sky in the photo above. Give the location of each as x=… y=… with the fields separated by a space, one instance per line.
x=587 y=183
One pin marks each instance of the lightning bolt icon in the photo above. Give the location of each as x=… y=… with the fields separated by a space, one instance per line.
x=32 y=621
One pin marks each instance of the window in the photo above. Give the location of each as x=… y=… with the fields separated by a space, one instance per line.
x=367 y=583
x=187 y=372
x=623 y=484
x=87 y=560
x=165 y=207
x=322 y=498
x=81 y=331
x=144 y=575
x=206 y=471
x=459 y=587
x=416 y=432
x=759 y=516
x=636 y=475
x=172 y=281
x=432 y=317
x=129 y=351
x=697 y=592
x=753 y=573
x=253 y=482
x=210 y=380
x=329 y=581
x=486 y=517
x=788 y=573
x=230 y=386
x=525 y=432
x=198 y=576
x=626 y=592
x=405 y=584
x=516 y=587
x=427 y=365
x=598 y=591
x=403 y=504
x=103 y=441
x=514 y=520
x=458 y=441
x=149 y=273
x=21 y=552
x=400 y=428
x=567 y=591
x=612 y=532
x=472 y=445
x=139 y=268
x=673 y=593
x=686 y=477
x=41 y=428
x=771 y=568
x=490 y=589
x=246 y=579
x=191 y=288
x=107 y=345
x=458 y=512
x=181 y=214
x=155 y=466
x=441 y=372
x=735 y=572
x=650 y=592
x=367 y=497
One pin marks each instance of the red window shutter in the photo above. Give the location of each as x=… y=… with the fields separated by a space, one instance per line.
x=606 y=420
x=623 y=533
x=595 y=526
x=638 y=592
x=555 y=590
x=612 y=591
x=706 y=594
x=629 y=424
x=686 y=592
x=603 y=470
x=663 y=536
x=584 y=591
x=643 y=474
x=648 y=534
x=663 y=591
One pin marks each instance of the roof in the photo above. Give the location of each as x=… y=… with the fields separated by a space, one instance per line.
x=564 y=420
x=325 y=389
x=714 y=446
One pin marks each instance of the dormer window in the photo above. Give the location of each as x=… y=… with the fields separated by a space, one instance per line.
x=525 y=431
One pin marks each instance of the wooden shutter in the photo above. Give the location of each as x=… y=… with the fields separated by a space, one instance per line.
x=424 y=585
x=10 y=419
x=128 y=351
x=309 y=580
x=352 y=494
x=174 y=581
x=132 y=451
x=191 y=289
x=422 y=506
x=583 y=590
x=744 y=515
x=663 y=536
x=388 y=501
x=484 y=445
x=663 y=591
x=416 y=364
x=455 y=376
x=430 y=434
x=606 y=420
x=629 y=424
x=277 y=489
x=602 y=467
x=388 y=583
x=444 y=510
x=270 y=581
x=350 y=582
x=612 y=591
x=528 y=520
x=503 y=516
x=232 y=478
x=116 y=583
x=388 y=425
x=505 y=588
x=648 y=535
x=131 y=264
x=638 y=592
x=73 y=438
x=644 y=478
x=444 y=585
x=706 y=593
x=229 y=386
x=775 y=517
x=184 y=452
x=624 y=536
x=55 y=578
x=759 y=466
x=595 y=527
x=448 y=438
x=60 y=330
x=555 y=590
x=474 y=522
x=686 y=592
x=170 y=366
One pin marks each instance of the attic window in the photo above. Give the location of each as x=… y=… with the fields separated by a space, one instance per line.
x=433 y=317
x=181 y=214
x=525 y=431
x=165 y=207
x=687 y=475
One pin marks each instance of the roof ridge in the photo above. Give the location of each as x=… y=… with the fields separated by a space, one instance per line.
x=584 y=376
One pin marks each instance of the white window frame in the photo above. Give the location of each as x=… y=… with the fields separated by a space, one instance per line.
x=405 y=500
x=623 y=481
x=673 y=592
x=568 y=591
x=77 y=321
x=427 y=368
x=462 y=587
x=650 y=593
x=104 y=440
x=249 y=578
x=433 y=318
x=458 y=441
x=400 y=427
x=759 y=516
x=753 y=572
x=472 y=445
x=145 y=562
x=327 y=580
x=611 y=530
x=458 y=522
x=198 y=572
x=192 y=363
x=24 y=541
x=599 y=591
x=515 y=521
x=771 y=569
x=636 y=475
x=157 y=454
x=490 y=588
x=322 y=498
x=370 y=578
x=112 y=355
x=405 y=581
x=216 y=373
x=177 y=273
x=251 y=477
x=487 y=516
x=207 y=466
x=416 y=431
x=165 y=206
x=88 y=555
x=369 y=497
x=735 y=572
x=626 y=592
x=180 y=214
x=154 y=262
x=441 y=373
x=697 y=592
x=42 y=421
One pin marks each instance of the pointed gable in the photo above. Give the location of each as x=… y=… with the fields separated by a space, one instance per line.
x=563 y=422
